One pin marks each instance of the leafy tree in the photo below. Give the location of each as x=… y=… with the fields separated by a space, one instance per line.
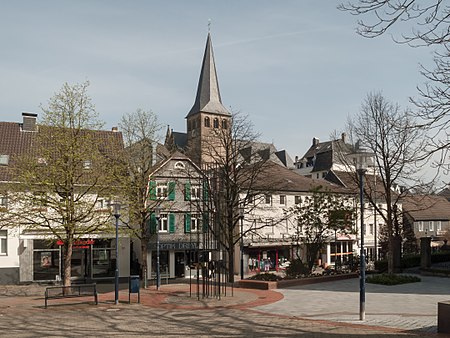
x=68 y=173
x=318 y=216
x=140 y=132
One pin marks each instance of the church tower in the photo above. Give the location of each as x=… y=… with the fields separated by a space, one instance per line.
x=208 y=121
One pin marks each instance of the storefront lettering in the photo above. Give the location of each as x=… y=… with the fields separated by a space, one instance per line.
x=80 y=244
x=176 y=246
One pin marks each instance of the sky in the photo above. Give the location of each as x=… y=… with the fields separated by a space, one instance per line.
x=297 y=68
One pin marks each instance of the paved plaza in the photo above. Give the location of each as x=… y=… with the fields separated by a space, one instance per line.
x=320 y=310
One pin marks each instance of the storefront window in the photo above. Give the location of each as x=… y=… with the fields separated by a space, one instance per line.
x=103 y=259
x=46 y=261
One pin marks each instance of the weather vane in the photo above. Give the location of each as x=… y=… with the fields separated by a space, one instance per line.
x=209 y=25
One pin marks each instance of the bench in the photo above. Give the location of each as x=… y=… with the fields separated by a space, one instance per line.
x=74 y=291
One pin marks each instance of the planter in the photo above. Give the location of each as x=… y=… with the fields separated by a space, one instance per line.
x=264 y=285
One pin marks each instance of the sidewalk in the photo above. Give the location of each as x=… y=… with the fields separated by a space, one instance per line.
x=176 y=310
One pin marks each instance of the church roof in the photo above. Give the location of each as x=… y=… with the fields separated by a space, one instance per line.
x=208 y=98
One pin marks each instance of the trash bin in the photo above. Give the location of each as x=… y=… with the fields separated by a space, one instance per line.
x=134 y=287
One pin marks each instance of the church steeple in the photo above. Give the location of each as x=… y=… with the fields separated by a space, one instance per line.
x=208 y=98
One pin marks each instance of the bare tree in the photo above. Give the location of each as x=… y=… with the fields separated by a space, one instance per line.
x=140 y=132
x=388 y=132
x=68 y=171
x=423 y=23
x=237 y=164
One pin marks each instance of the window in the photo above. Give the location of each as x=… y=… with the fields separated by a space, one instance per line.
x=216 y=123
x=224 y=124
x=298 y=199
x=161 y=191
x=87 y=164
x=431 y=226
x=3 y=242
x=282 y=199
x=268 y=199
x=207 y=122
x=4 y=159
x=163 y=223
x=179 y=165
x=371 y=229
x=165 y=191
x=438 y=225
x=196 y=192
x=195 y=223
x=420 y=224
x=3 y=203
x=100 y=204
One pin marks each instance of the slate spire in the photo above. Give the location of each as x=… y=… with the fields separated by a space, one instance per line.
x=208 y=98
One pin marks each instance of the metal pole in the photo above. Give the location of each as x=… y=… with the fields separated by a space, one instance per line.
x=362 y=264
x=158 y=275
x=375 y=220
x=242 y=247
x=116 y=277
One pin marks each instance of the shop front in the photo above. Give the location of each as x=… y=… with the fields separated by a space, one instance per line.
x=265 y=259
x=92 y=259
x=176 y=259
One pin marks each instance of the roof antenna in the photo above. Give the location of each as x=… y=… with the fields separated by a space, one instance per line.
x=209 y=25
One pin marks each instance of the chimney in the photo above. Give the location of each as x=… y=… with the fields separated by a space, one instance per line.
x=344 y=138
x=315 y=141
x=115 y=129
x=29 y=121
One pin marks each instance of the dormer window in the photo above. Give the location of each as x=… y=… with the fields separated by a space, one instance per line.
x=4 y=159
x=87 y=164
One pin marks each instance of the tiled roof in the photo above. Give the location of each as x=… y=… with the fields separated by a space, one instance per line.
x=15 y=142
x=426 y=207
x=275 y=177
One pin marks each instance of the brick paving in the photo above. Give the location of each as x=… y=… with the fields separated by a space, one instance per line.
x=173 y=312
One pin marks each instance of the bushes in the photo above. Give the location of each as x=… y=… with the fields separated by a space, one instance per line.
x=297 y=269
x=268 y=277
x=411 y=261
x=392 y=279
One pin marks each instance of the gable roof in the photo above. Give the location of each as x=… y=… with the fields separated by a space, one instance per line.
x=426 y=207
x=275 y=177
x=15 y=141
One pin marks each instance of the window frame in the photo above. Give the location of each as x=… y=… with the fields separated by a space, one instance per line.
x=3 y=242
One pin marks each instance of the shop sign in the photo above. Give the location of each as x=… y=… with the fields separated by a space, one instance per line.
x=80 y=244
x=176 y=246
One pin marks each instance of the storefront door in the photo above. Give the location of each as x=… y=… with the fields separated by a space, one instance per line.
x=80 y=263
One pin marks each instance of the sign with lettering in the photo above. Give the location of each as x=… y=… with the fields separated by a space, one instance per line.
x=176 y=246
x=80 y=244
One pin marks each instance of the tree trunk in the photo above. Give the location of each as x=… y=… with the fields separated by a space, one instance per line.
x=144 y=254
x=231 y=264
x=68 y=263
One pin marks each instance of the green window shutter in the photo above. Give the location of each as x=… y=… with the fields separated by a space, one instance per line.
x=205 y=224
x=171 y=223
x=152 y=222
x=171 y=191
x=152 y=190
x=187 y=191
x=205 y=190
x=187 y=223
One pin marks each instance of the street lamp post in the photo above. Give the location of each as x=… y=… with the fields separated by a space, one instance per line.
x=241 y=217
x=158 y=275
x=116 y=206
x=362 y=158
